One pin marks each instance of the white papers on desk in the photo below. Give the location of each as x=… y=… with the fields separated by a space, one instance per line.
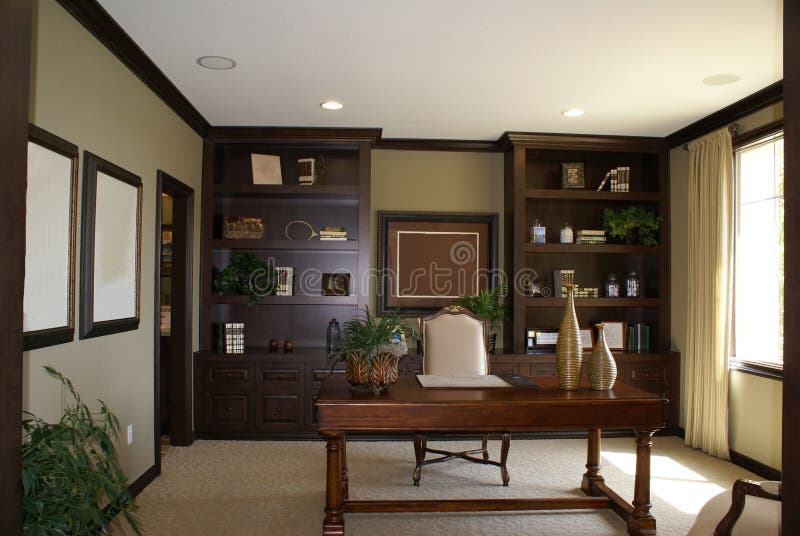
x=473 y=381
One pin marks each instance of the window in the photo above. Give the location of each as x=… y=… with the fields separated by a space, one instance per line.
x=758 y=246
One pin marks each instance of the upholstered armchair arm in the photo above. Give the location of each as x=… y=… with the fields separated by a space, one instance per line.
x=741 y=489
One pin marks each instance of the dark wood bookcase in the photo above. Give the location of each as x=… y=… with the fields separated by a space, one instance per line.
x=533 y=192
x=258 y=392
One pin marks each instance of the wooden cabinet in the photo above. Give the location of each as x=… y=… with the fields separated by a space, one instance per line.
x=655 y=373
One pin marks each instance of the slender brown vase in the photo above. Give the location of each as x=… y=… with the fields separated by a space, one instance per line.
x=602 y=367
x=569 y=348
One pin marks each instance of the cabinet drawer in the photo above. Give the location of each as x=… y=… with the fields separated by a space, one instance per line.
x=289 y=375
x=228 y=374
x=544 y=369
x=503 y=368
x=647 y=373
x=228 y=412
x=279 y=411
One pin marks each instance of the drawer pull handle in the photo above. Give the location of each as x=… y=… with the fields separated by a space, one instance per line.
x=228 y=375
x=228 y=409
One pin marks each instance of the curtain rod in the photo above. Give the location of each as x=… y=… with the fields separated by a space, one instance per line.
x=733 y=129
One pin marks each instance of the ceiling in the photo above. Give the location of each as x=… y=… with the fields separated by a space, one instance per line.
x=461 y=69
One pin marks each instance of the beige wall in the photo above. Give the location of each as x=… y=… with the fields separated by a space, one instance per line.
x=754 y=402
x=81 y=92
x=436 y=181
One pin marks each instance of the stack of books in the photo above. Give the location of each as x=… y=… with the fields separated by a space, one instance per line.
x=234 y=337
x=284 y=281
x=333 y=232
x=637 y=338
x=590 y=236
x=619 y=179
x=588 y=292
x=561 y=278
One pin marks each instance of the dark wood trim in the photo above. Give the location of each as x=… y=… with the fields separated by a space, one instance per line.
x=60 y=334
x=157 y=331
x=764 y=370
x=100 y=24
x=754 y=466
x=752 y=103
x=279 y=135
x=15 y=57
x=92 y=164
x=138 y=485
x=756 y=134
x=790 y=464
x=206 y=249
x=582 y=142
x=421 y=144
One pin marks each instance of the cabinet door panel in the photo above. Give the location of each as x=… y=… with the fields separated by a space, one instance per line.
x=228 y=412
x=279 y=411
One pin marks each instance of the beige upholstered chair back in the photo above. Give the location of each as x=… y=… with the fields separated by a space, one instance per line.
x=455 y=343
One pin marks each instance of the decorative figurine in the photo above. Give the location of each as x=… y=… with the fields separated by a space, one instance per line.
x=288 y=346
x=273 y=346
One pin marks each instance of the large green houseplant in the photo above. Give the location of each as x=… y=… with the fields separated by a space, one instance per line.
x=487 y=304
x=626 y=223
x=72 y=482
x=370 y=347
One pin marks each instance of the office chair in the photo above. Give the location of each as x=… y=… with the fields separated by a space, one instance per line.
x=455 y=344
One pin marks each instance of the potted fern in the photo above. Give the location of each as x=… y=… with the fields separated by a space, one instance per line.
x=371 y=347
x=72 y=482
x=487 y=304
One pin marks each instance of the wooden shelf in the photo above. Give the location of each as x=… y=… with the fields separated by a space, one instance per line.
x=592 y=302
x=592 y=249
x=346 y=246
x=217 y=299
x=590 y=195
x=286 y=191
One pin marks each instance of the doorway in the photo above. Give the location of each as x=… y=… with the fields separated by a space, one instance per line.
x=173 y=313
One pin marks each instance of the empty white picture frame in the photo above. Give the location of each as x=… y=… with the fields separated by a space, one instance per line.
x=111 y=223
x=50 y=225
x=266 y=168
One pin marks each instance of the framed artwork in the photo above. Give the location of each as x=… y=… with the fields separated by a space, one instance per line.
x=336 y=284
x=111 y=228
x=540 y=341
x=572 y=175
x=50 y=225
x=587 y=339
x=615 y=335
x=428 y=259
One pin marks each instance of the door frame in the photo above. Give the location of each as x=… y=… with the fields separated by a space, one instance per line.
x=181 y=425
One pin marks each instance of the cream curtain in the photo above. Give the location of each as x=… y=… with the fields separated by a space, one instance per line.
x=709 y=302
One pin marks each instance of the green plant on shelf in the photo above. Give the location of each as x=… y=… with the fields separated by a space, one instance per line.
x=625 y=223
x=72 y=482
x=245 y=274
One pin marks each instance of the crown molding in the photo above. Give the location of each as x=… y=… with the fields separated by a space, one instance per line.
x=752 y=103
x=100 y=24
x=423 y=144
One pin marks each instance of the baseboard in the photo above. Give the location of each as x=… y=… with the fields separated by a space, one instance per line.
x=143 y=481
x=755 y=466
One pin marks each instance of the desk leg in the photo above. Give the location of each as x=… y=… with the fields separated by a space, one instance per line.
x=345 y=480
x=333 y=524
x=640 y=521
x=592 y=474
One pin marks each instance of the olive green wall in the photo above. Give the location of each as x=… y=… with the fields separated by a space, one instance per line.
x=82 y=93
x=754 y=402
x=436 y=181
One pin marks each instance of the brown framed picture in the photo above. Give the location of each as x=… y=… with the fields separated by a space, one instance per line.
x=615 y=335
x=426 y=260
x=337 y=284
x=572 y=175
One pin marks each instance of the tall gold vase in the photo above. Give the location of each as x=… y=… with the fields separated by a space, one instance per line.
x=569 y=348
x=602 y=367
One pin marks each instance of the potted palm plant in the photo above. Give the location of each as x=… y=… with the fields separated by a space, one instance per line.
x=487 y=304
x=371 y=347
x=72 y=482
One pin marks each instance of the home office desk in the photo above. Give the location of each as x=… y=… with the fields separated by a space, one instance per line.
x=407 y=408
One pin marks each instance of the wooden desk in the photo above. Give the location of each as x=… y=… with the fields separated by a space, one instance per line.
x=407 y=408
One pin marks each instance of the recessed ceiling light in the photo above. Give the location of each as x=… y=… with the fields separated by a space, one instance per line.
x=722 y=79
x=332 y=105
x=572 y=112
x=217 y=63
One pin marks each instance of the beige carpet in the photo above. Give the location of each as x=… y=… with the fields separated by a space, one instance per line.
x=277 y=488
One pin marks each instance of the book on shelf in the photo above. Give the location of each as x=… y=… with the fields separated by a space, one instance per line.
x=234 y=337
x=561 y=278
x=637 y=338
x=604 y=181
x=327 y=238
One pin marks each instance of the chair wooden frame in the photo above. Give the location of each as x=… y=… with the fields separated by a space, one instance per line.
x=420 y=440
x=741 y=489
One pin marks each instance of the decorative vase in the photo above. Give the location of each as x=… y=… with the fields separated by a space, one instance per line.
x=569 y=348
x=375 y=374
x=602 y=367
